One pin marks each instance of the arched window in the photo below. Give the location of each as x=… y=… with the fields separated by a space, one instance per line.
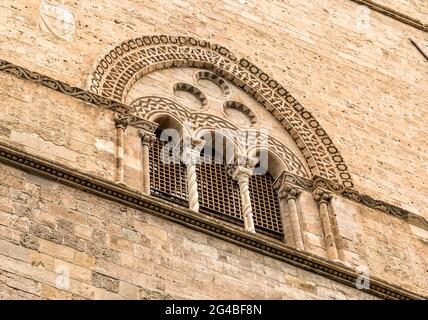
x=265 y=204
x=167 y=171
x=264 y=199
x=219 y=194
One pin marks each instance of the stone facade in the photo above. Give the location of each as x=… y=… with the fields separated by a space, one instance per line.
x=352 y=69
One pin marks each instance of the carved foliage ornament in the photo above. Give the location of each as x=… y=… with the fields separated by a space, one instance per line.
x=121 y=67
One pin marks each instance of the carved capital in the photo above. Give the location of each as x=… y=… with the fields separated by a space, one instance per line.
x=147 y=138
x=321 y=195
x=121 y=120
x=239 y=173
x=287 y=177
x=289 y=191
x=192 y=148
x=193 y=143
x=243 y=168
x=143 y=124
x=245 y=161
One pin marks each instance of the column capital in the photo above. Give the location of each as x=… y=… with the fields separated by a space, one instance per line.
x=322 y=195
x=143 y=124
x=246 y=161
x=147 y=138
x=289 y=191
x=243 y=168
x=121 y=120
x=192 y=148
x=193 y=143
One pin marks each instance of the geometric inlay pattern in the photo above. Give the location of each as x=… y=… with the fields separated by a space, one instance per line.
x=240 y=113
x=192 y=90
x=146 y=107
x=121 y=67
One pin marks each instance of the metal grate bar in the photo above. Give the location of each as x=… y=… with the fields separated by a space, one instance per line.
x=265 y=205
x=218 y=192
x=167 y=180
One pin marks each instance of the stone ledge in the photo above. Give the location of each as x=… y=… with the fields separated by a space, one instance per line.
x=259 y=243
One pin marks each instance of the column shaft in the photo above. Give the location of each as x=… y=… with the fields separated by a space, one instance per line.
x=328 y=231
x=247 y=211
x=146 y=168
x=295 y=223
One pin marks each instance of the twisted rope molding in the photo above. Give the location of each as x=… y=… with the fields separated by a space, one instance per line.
x=259 y=243
x=102 y=102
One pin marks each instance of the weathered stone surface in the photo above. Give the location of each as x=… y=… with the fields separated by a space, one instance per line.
x=353 y=68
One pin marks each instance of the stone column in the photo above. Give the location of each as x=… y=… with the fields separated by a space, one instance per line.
x=323 y=198
x=242 y=173
x=288 y=195
x=121 y=121
x=147 y=139
x=191 y=154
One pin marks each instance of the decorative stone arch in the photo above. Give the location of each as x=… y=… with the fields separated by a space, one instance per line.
x=121 y=67
x=151 y=106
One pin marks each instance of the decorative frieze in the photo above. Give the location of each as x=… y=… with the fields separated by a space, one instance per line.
x=103 y=102
x=121 y=67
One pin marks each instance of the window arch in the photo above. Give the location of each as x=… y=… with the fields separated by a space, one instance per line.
x=219 y=194
x=166 y=169
x=264 y=198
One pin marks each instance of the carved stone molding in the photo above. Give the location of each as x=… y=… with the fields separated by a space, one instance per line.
x=121 y=67
x=145 y=107
x=202 y=223
x=62 y=87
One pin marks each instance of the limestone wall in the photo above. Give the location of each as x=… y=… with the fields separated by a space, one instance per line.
x=362 y=79
x=114 y=252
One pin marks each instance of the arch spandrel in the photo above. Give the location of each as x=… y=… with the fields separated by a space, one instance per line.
x=117 y=71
